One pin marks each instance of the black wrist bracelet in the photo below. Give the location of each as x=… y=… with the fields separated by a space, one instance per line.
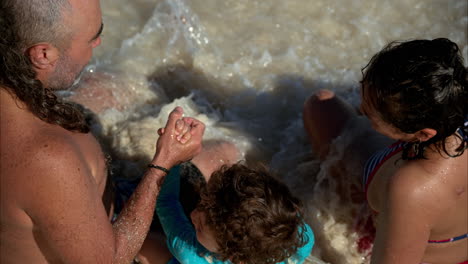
x=158 y=167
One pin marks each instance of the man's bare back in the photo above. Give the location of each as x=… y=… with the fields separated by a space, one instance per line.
x=42 y=163
x=52 y=183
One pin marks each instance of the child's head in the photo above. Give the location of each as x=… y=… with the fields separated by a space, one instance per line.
x=247 y=216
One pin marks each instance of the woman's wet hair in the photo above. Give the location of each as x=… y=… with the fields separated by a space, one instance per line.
x=254 y=216
x=420 y=84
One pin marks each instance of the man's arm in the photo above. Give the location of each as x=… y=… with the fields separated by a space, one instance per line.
x=67 y=210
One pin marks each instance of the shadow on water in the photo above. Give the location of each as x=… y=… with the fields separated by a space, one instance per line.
x=181 y=81
x=271 y=118
x=263 y=115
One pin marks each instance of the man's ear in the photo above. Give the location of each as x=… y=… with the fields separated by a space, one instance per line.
x=43 y=56
x=425 y=134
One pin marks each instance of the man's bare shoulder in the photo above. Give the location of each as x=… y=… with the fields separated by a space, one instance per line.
x=42 y=142
x=49 y=187
x=45 y=151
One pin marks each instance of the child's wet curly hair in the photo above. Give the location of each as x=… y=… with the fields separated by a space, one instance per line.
x=254 y=216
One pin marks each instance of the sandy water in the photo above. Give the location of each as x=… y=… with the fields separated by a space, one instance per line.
x=245 y=67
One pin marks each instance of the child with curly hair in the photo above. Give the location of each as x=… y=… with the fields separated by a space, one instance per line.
x=244 y=215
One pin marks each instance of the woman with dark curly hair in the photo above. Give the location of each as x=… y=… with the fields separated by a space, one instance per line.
x=244 y=215
x=414 y=92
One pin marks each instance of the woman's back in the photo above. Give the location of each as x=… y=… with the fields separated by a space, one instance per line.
x=437 y=187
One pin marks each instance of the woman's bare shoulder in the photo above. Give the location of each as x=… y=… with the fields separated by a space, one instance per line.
x=424 y=184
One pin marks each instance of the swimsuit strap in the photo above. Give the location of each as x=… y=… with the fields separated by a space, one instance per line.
x=378 y=159
x=449 y=240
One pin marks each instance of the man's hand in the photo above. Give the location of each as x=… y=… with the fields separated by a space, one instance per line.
x=182 y=131
x=180 y=140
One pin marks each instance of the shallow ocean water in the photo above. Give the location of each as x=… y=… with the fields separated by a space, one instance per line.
x=245 y=67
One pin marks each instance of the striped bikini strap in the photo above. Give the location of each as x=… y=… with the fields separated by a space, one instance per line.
x=449 y=240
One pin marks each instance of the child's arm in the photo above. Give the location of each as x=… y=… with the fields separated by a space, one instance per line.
x=180 y=234
x=304 y=251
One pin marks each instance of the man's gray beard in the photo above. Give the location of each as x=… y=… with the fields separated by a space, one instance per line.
x=65 y=76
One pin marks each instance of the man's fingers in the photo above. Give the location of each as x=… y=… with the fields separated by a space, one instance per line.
x=196 y=127
x=185 y=138
x=161 y=131
x=188 y=120
x=179 y=127
x=193 y=123
x=175 y=115
x=185 y=130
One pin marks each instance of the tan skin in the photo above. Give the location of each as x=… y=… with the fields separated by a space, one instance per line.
x=84 y=27
x=51 y=193
x=52 y=180
x=416 y=201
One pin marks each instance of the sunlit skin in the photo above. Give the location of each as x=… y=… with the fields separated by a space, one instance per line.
x=82 y=44
x=59 y=67
x=23 y=234
x=67 y=171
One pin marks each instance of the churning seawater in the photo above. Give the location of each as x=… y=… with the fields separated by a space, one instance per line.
x=245 y=67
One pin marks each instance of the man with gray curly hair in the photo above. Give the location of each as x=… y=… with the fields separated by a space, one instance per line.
x=53 y=172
